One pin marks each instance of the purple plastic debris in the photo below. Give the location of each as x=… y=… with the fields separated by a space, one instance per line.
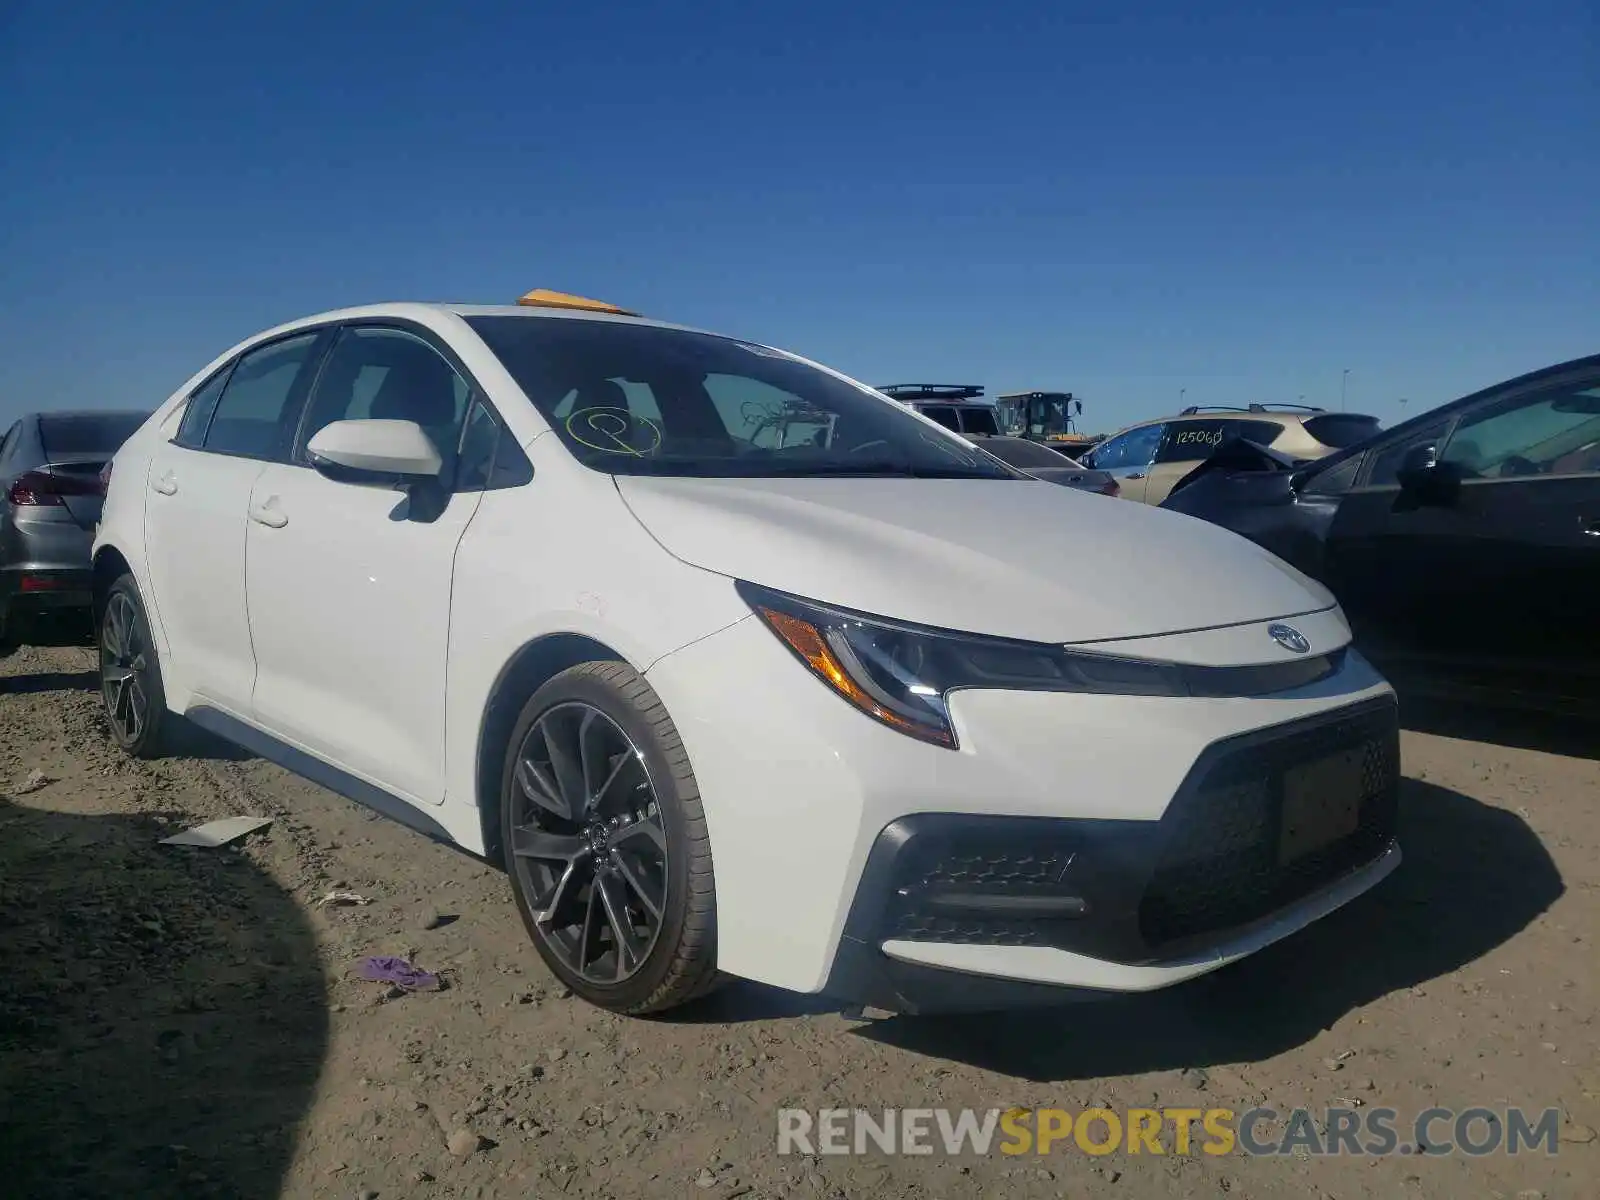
x=400 y=973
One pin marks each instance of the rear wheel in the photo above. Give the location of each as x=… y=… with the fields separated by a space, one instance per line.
x=606 y=844
x=130 y=675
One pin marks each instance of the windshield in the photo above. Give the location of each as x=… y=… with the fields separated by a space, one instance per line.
x=1040 y=414
x=641 y=400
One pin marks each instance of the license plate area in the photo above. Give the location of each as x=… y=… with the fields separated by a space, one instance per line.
x=1321 y=803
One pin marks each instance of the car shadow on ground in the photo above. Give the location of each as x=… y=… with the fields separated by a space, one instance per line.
x=188 y=740
x=51 y=681
x=1515 y=728
x=1472 y=878
x=163 y=1013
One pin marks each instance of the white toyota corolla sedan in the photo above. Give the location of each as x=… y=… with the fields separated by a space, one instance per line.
x=737 y=666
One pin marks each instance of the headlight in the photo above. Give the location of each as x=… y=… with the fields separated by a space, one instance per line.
x=900 y=674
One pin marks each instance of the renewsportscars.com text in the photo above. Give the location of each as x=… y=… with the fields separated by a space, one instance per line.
x=1258 y=1132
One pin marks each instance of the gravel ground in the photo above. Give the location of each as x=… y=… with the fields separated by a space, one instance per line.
x=183 y=1022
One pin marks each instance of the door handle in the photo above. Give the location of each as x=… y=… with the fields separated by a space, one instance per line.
x=167 y=485
x=1134 y=475
x=268 y=514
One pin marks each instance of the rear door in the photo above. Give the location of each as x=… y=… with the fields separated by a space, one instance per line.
x=195 y=514
x=1190 y=441
x=1494 y=590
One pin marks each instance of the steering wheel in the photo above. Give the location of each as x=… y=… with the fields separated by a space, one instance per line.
x=1518 y=465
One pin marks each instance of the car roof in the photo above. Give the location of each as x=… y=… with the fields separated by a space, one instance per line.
x=1276 y=416
x=1450 y=407
x=76 y=413
x=421 y=310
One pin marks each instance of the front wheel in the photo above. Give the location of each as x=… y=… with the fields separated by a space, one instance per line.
x=606 y=844
x=130 y=675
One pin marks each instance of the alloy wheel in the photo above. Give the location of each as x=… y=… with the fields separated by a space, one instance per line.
x=124 y=669
x=588 y=843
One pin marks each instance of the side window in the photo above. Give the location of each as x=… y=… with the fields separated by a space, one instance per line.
x=1334 y=481
x=198 y=409
x=1262 y=433
x=378 y=373
x=1186 y=441
x=944 y=414
x=1108 y=455
x=479 y=441
x=490 y=457
x=979 y=420
x=1386 y=460
x=259 y=395
x=1137 y=448
x=1551 y=431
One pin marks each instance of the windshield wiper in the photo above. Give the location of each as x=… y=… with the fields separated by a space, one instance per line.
x=876 y=467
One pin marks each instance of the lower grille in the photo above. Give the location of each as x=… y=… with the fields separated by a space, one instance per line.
x=999 y=865
x=1222 y=864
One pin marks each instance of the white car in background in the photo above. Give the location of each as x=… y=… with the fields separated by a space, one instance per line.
x=552 y=584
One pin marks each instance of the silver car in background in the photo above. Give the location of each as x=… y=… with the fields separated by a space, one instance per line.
x=52 y=484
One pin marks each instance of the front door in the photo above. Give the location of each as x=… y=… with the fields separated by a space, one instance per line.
x=349 y=584
x=1492 y=589
x=1128 y=457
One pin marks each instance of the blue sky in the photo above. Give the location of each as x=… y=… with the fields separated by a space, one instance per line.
x=1118 y=199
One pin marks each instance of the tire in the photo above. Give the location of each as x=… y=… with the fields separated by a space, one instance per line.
x=130 y=674
x=583 y=830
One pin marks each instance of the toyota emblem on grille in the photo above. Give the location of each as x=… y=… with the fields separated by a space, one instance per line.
x=1289 y=638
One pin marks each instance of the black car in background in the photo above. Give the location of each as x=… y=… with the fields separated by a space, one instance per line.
x=1464 y=545
x=51 y=490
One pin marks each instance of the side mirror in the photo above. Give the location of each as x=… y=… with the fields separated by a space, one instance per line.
x=375 y=452
x=1425 y=480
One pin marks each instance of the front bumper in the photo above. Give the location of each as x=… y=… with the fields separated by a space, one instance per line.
x=1154 y=815
x=965 y=911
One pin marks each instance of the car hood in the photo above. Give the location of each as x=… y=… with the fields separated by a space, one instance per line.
x=1016 y=559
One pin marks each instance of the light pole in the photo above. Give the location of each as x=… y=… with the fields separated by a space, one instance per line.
x=1344 y=380
x=1181 y=393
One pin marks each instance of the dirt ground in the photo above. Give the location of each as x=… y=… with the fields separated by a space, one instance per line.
x=188 y=1022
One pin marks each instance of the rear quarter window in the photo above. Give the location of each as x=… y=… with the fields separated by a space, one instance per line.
x=979 y=420
x=944 y=414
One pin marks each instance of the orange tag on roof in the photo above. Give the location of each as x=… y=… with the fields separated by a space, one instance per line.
x=545 y=298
